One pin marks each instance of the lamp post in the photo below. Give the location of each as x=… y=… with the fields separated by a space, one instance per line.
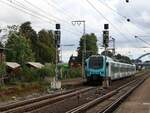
x=79 y=22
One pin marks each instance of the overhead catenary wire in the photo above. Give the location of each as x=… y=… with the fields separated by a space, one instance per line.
x=41 y=10
x=60 y=9
x=70 y=16
x=113 y=9
x=21 y=9
x=22 y=6
x=24 y=11
x=135 y=44
x=106 y=19
x=64 y=11
x=44 y=12
x=124 y=17
x=120 y=19
x=142 y=40
x=26 y=8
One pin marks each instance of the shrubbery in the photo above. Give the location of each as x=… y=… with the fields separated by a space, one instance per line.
x=71 y=73
x=31 y=74
x=2 y=69
x=28 y=74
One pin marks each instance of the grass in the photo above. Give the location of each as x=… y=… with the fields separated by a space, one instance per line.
x=22 y=90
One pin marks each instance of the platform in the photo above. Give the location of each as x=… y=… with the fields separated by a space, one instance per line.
x=138 y=101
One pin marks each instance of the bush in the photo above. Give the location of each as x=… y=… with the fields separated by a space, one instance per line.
x=30 y=74
x=2 y=69
x=71 y=73
x=47 y=71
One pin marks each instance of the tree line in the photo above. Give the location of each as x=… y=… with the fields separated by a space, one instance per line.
x=118 y=57
x=27 y=45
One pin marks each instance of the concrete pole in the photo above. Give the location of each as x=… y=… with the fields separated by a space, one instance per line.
x=84 y=43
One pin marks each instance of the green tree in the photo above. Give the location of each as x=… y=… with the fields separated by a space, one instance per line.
x=19 y=49
x=91 y=46
x=124 y=59
x=108 y=53
x=27 y=31
x=46 y=46
x=118 y=57
x=46 y=37
x=1 y=45
x=30 y=34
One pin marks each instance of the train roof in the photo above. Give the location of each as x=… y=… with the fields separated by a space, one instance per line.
x=117 y=62
x=108 y=59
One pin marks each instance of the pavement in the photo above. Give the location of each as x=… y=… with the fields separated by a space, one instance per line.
x=138 y=101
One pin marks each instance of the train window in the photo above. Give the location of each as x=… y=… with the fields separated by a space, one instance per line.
x=85 y=64
x=107 y=64
x=96 y=62
x=115 y=68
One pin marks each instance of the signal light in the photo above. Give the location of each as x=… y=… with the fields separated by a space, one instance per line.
x=57 y=26
x=57 y=38
x=105 y=38
x=106 y=26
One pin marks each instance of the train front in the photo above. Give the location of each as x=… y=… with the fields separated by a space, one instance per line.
x=94 y=68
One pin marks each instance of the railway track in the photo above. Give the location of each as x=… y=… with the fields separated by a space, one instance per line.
x=74 y=101
x=35 y=103
x=110 y=101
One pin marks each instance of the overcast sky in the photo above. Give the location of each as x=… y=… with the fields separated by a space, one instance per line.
x=46 y=13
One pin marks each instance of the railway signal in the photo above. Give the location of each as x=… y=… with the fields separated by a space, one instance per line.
x=106 y=26
x=106 y=44
x=105 y=38
x=57 y=38
x=57 y=43
x=56 y=84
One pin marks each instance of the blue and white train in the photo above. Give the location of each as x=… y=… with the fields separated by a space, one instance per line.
x=95 y=68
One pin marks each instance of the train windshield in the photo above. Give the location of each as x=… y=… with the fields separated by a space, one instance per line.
x=96 y=62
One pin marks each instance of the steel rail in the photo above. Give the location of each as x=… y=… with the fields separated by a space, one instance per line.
x=29 y=105
x=110 y=108
x=89 y=105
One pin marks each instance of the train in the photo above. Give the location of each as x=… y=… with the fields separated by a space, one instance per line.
x=95 y=68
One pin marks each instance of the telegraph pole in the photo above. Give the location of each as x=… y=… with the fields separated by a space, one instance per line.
x=79 y=22
x=114 y=48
